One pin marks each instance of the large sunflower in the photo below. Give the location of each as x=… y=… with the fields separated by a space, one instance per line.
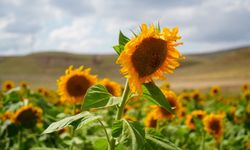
x=73 y=86
x=190 y=122
x=215 y=90
x=149 y=55
x=8 y=85
x=28 y=116
x=213 y=124
x=113 y=88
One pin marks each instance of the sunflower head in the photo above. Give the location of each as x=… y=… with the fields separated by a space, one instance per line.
x=23 y=85
x=113 y=88
x=8 y=85
x=197 y=96
x=149 y=55
x=150 y=120
x=245 y=87
x=213 y=124
x=215 y=90
x=190 y=120
x=73 y=86
x=185 y=96
x=246 y=95
x=28 y=116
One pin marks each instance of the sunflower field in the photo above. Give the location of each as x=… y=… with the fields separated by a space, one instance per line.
x=88 y=113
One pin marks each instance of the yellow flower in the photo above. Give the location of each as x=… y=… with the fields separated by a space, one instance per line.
x=215 y=90
x=245 y=87
x=8 y=85
x=246 y=95
x=199 y=114
x=7 y=116
x=113 y=88
x=73 y=86
x=165 y=86
x=197 y=96
x=185 y=96
x=213 y=124
x=23 y=85
x=150 y=120
x=129 y=117
x=149 y=55
x=28 y=116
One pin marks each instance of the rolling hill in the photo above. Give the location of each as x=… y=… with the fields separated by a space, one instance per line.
x=228 y=68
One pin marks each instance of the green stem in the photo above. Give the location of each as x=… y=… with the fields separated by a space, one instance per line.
x=106 y=133
x=203 y=134
x=72 y=132
x=120 y=111
x=20 y=139
x=123 y=102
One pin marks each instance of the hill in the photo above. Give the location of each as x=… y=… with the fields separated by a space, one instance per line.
x=225 y=68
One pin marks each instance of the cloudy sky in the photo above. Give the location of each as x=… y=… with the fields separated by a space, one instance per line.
x=92 y=26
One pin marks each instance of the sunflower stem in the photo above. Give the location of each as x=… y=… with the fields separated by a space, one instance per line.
x=203 y=134
x=123 y=101
x=120 y=110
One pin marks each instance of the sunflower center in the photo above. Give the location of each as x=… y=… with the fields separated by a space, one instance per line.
x=77 y=86
x=215 y=126
x=8 y=86
x=149 y=56
x=27 y=118
x=110 y=89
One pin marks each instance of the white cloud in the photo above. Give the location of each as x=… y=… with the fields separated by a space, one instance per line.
x=92 y=26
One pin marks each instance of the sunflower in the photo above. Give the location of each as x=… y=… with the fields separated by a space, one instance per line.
x=149 y=55
x=40 y=90
x=150 y=120
x=113 y=88
x=73 y=86
x=7 y=116
x=8 y=85
x=28 y=116
x=246 y=95
x=199 y=114
x=213 y=124
x=23 y=85
x=165 y=86
x=197 y=96
x=185 y=96
x=215 y=90
x=245 y=87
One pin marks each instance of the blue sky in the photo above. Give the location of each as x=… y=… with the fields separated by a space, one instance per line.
x=84 y=26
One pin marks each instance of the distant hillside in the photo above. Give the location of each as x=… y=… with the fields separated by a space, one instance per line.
x=226 y=68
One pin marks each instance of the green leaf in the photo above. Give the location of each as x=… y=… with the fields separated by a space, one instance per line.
x=161 y=142
x=98 y=96
x=152 y=93
x=118 y=49
x=101 y=144
x=133 y=134
x=123 y=40
x=66 y=122
x=117 y=128
x=86 y=120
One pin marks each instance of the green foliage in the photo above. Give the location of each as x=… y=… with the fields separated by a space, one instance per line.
x=152 y=93
x=85 y=118
x=98 y=96
x=123 y=40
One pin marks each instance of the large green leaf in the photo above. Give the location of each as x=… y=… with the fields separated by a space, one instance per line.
x=83 y=118
x=117 y=128
x=98 y=96
x=133 y=135
x=152 y=93
x=160 y=141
